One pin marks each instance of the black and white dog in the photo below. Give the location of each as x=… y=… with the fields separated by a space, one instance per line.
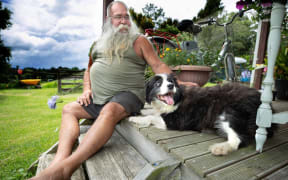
x=230 y=109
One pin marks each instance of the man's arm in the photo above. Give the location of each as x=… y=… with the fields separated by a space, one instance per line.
x=87 y=93
x=86 y=81
x=148 y=53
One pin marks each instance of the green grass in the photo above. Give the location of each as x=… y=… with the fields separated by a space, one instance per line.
x=27 y=128
x=209 y=84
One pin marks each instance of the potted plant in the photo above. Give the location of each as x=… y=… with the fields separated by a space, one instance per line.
x=281 y=74
x=190 y=66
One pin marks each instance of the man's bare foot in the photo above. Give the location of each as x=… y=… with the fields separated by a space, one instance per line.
x=56 y=172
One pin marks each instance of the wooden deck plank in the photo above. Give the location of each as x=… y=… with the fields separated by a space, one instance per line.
x=191 y=151
x=249 y=168
x=208 y=163
x=280 y=174
x=156 y=135
x=116 y=160
x=149 y=150
x=197 y=137
x=46 y=159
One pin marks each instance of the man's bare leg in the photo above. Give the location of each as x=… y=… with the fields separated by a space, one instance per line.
x=96 y=137
x=69 y=131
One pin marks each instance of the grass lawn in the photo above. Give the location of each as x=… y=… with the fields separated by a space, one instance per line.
x=27 y=127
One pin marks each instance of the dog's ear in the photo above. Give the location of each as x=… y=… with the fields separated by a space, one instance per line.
x=173 y=77
x=178 y=96
x=179 y=93
x=150 y=88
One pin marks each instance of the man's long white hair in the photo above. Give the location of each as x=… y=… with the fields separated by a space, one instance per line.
x=113 y=41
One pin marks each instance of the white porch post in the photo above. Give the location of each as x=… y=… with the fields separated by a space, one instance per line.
x=264 y=114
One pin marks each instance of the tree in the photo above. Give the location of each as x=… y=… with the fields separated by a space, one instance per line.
x=143 y=22
x=5 y=52
x=240 y=32
x=170 y=26
x=156 y=14
x=211 y=7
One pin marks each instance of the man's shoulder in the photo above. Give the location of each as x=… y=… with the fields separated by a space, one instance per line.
x=140 y=37
x=142 y=40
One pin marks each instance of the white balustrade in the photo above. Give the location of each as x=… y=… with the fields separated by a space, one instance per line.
x=264 y=114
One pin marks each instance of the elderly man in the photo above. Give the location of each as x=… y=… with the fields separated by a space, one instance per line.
x=113 y=90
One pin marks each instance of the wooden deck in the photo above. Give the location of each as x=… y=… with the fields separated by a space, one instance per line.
x=150 y=153
x=191 y=148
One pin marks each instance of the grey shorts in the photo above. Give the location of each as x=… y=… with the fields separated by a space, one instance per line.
x=131 y=103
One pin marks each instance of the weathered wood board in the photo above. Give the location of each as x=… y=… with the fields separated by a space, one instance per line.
x=255 y=167
x=116 y=160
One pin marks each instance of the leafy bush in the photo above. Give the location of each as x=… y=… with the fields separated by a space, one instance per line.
x=148 y=73
x=175 y=57
x=281 y=65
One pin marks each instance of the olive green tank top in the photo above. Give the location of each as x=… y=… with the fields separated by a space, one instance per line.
x=110 y=77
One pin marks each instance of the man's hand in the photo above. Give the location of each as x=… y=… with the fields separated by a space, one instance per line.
x=84 y=99
x=187 y=83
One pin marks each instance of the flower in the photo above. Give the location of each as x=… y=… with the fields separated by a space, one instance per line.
x=262 y=7
x=240 y=5
x=252 y=3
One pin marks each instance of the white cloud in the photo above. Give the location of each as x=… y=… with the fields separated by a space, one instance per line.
x=49 y=33
x=72 y=26
x=56 y=33
x=33 y=14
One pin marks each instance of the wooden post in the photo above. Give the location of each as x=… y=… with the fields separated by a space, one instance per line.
x=59 y=82
x=261 y=53
x=105 y=4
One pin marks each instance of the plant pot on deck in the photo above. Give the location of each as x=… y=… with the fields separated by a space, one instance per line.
x=193 y=73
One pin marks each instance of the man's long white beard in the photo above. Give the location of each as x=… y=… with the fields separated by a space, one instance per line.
x=115 y=41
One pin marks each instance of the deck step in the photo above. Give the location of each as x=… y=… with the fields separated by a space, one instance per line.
x=116 y=160
x=46 y=159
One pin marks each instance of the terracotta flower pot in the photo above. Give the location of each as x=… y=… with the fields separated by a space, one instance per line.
x=193 y=73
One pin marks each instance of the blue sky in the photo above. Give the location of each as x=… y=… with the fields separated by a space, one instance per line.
x=53 y=33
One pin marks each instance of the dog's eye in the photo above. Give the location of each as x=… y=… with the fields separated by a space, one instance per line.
x=157 y=84
x=170 y=79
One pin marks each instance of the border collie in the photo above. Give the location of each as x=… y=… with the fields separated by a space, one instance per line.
x=229 y=109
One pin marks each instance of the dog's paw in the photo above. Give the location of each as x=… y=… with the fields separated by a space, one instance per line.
x=161 y=126
x=139 y=121
x=221 y=149
x=146 y=112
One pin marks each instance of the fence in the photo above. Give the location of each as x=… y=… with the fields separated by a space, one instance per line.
x=74 y=81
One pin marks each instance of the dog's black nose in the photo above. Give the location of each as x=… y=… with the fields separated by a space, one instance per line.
x=170 y=86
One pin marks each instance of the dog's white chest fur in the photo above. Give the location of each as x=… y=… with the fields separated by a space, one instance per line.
x=162 y=107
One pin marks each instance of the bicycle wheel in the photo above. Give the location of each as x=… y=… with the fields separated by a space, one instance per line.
x=230 y=68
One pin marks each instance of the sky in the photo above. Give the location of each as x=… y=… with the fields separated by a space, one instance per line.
x=53 y=33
